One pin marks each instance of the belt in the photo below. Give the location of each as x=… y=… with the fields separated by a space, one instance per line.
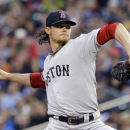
x=72 y=120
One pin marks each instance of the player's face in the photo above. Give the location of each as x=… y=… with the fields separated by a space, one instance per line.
x=60 y=32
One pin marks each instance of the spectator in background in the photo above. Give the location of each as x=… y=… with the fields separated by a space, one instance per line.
x=12 y=97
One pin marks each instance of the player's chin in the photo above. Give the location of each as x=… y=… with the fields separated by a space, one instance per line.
x=64 y=39
x=63 y=42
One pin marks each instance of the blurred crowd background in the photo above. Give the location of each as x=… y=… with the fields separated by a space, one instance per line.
x=20 y=20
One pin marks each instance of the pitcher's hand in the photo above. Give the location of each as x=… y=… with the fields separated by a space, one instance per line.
x=3 y=75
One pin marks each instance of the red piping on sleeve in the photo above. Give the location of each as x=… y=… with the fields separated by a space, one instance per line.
x=36 y=80
x=106 y=33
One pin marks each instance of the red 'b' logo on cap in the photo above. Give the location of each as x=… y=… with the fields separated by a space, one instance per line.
x=62 y=14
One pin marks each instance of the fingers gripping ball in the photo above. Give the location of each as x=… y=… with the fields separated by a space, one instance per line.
x=121 y=71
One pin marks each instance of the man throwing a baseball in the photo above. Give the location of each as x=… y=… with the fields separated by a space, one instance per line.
x=69 y=72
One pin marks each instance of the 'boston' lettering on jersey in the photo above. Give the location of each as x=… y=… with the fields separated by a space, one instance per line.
x=60 y=71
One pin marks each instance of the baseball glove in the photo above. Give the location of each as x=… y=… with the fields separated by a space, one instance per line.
x=121 y=71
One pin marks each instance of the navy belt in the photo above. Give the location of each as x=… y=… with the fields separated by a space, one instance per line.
x=72 y=120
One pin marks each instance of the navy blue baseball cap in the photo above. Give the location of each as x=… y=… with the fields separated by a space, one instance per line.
x=58 y=16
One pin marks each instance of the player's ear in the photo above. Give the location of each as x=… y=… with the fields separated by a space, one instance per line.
x=47 y=30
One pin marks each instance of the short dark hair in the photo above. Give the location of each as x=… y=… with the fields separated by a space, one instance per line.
x=43 y=37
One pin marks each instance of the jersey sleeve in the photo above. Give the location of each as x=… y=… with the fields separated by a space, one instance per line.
x=106 y=33
x=87 y=43
x=37 y=80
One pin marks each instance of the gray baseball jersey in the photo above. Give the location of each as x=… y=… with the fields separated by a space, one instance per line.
x=70 y=77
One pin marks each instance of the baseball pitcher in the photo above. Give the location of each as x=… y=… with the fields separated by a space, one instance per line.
x=69 y=72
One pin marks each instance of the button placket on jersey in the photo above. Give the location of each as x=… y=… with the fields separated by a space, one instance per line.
x=50 y=65
x=53 y=79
